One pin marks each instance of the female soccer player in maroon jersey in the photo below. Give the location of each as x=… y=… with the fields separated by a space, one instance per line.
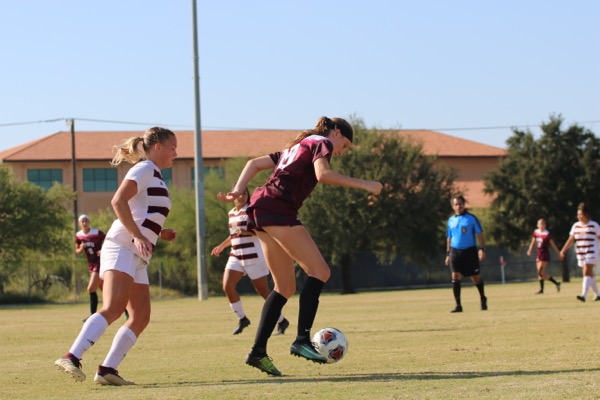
x=543 y=240
x=273 y=213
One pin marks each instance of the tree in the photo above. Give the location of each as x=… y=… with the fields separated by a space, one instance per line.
x=544 y=178
x=405 y=219
x=31 y=220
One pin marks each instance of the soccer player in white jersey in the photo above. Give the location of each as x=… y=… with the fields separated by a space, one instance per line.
x=585 y=234
x=246 y=258
x=141 y=204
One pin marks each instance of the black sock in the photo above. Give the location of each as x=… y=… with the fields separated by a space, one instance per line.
x=541 y=285
x=551 y=279
x=456 y=291
x=268 y=319
x=479 y=286
x=309 y=303
x=93 y=302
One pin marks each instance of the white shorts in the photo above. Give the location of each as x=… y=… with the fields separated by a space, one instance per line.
x=583 y=259
x=254 y=271
x=121 y=258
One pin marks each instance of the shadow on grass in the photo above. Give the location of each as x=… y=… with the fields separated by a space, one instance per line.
x=381 y=377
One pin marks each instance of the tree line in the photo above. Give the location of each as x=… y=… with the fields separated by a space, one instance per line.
x=543 y=177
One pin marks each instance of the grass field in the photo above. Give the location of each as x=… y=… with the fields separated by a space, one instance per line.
x=402 y=345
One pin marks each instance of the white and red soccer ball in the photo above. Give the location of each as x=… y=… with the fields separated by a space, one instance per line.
x=331 y=343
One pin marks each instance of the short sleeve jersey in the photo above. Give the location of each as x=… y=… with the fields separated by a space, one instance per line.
x=586 y=238
x=542 y=241
x=461 y=230
x=293 y=178
x=244 y=248
x=149 y=207
x=93 y=243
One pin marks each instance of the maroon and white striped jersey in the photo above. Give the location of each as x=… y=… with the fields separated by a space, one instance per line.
x=586 y=240
x=149 y=207
x=245 y=248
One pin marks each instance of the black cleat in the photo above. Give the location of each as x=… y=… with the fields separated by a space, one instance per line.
x=263 y=363
x=581 y=298
x=244 y=322
x=457 y=309
x=483 y=303
x=540 y=292
x=282 y=326
x=557 y=287
x=597 y=298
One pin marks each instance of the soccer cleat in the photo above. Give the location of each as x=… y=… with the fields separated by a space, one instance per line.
x=457 y=309
x=580 y=298
x=110 y=377
x=263 y=363
x=597 y=298
x=484 y=303
x=304 y=348
x=244 y=322
x=71 y=365
x=282 y=326
x=540 y=292
x=557 y=287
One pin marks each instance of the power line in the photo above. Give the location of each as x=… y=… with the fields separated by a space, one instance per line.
x=479 y=128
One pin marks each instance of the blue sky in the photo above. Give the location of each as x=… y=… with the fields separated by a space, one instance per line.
x=273 y=64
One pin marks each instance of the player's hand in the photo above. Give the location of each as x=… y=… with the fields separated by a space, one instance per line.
x=229 y=196
x=216 y=251
x=168 y=234
x=374 y=187
x=143 y=246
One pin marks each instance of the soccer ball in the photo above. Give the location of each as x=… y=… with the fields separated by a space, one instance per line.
x=331 y=343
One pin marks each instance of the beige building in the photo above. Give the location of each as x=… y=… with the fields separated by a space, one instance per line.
x=49 y=159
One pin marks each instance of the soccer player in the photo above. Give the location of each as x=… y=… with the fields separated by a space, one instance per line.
x=543 y=240
x=246 y=258
x=463 y=233
x=141 y=204
x=273 y=213
x=89 y=241
x=585 y=234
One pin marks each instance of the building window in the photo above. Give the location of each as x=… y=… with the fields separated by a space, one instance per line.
x=167 y=175
x=220 y=171
x=44 y=177
x=99 y=179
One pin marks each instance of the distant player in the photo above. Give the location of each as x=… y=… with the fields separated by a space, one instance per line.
x=543 y=240
x=585 y=234
x=463 y=232
x=246 y=258
x=89 y=241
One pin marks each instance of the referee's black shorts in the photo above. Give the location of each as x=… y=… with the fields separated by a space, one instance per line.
x=465 y=262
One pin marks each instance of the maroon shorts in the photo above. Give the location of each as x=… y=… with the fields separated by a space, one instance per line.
x=94 y=267
x=257 y=219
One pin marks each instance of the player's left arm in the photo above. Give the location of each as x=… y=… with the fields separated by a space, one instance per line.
x=326 y=175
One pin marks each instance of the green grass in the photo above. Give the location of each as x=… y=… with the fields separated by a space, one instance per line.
x=402 y=345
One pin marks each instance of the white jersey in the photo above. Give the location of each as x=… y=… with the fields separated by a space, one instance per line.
x=149 y=207
x=245 y=248
x=586 y=241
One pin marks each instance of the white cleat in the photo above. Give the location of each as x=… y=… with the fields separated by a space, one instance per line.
x=110 y=377
x=65 y=364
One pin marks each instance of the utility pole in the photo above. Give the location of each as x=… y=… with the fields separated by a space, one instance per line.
x=199 y=172
x=71 y=123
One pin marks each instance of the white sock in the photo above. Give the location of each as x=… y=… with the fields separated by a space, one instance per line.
x=281 y=318
x=585 y=285
x=238 y=309
x=122 y=343
x=91 y=331
x=594 y=285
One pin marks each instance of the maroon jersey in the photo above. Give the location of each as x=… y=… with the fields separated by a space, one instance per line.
x=93 y=243
x=542 y=241
x=291 y=182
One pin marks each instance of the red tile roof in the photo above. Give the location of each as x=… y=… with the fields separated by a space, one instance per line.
x=97 y=145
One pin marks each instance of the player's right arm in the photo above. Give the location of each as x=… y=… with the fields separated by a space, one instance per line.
x=252 y=167
x=531 y=246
